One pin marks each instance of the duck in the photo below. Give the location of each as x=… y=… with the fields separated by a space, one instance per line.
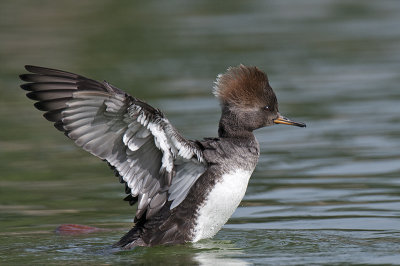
x=185 y=190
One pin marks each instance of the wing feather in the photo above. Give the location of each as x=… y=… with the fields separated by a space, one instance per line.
x=154 y=161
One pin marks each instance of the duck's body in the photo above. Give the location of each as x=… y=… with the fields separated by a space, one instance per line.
x=210 y=202
x=185 y=190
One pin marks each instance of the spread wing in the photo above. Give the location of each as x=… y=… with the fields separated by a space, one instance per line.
x=153 y=160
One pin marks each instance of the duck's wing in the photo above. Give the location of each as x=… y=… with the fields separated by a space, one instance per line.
x=148 y=153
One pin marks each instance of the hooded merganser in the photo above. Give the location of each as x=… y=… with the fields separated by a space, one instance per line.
x=185 y=190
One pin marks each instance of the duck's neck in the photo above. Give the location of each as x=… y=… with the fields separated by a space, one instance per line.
x=230 y=126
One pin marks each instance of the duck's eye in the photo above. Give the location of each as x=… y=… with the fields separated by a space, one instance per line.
x=266 y=107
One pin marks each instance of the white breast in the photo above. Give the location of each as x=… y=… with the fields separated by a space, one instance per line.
x=220 y=203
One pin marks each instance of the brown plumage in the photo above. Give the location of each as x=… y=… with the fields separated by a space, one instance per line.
x=243 y=86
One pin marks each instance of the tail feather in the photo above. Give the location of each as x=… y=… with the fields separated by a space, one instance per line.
x=132 y=238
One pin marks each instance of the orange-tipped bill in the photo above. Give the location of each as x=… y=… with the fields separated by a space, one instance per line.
x=285 y=121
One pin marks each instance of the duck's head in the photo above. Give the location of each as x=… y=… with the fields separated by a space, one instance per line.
x=247 y=100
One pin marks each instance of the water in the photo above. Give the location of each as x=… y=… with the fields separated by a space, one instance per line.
x=326 y=194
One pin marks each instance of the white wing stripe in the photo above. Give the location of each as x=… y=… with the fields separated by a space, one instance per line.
x=135 y=144
x=161 y=139
x=132 y=129
x=142 y=133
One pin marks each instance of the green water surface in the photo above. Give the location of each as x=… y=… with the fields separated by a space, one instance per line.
x=327 y=194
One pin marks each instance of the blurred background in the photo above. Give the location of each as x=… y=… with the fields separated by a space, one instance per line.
x=329 y=193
